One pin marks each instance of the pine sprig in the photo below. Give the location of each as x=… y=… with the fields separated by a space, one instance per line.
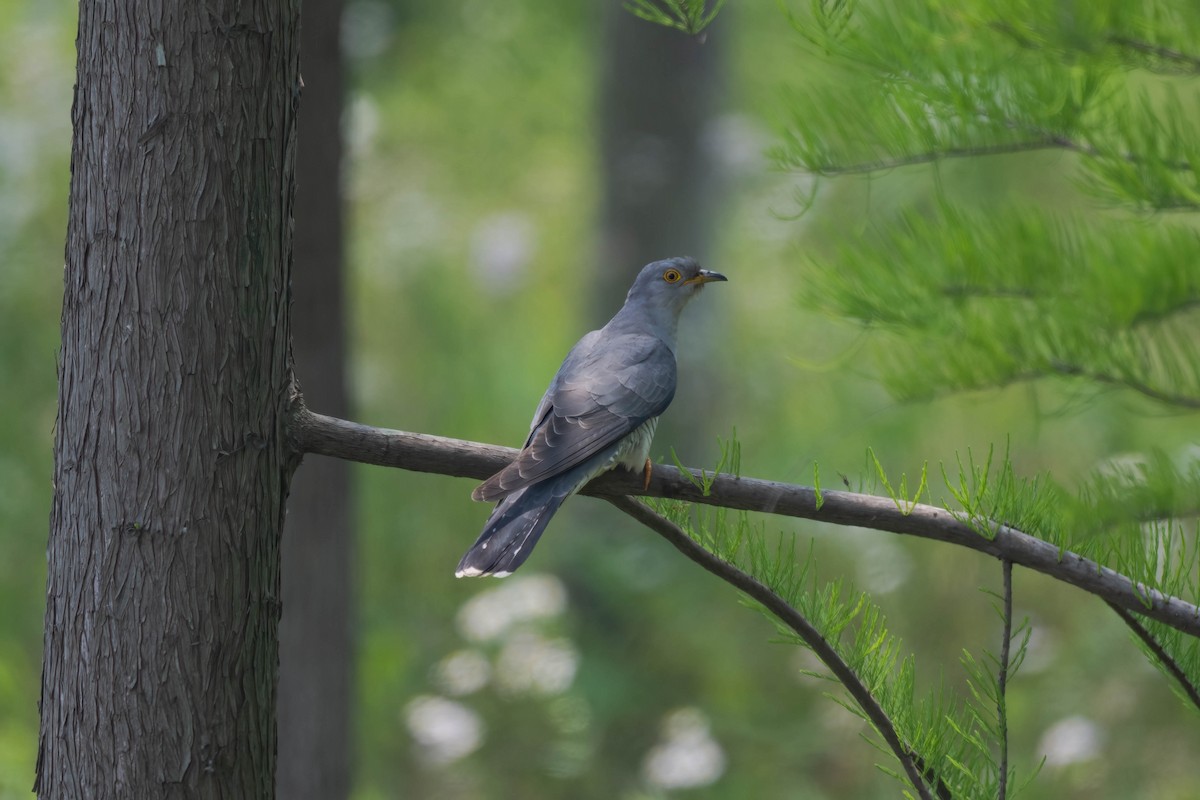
x=978 y=300
x=957 y=745
x=689 y=16
x=930 y=84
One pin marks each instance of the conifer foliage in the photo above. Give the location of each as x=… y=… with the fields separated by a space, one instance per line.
x=1094 y=285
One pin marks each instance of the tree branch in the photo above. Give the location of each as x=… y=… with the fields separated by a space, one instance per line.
x=928 y=157
x=1066 y=370
x=1002 y=683
x=1128 y=382
x=1039 y=139
x=794 y=620
x=1164 y=658
x=322 y=435
x=1183 y=62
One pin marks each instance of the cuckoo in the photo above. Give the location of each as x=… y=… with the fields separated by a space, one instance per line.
x=600 y=411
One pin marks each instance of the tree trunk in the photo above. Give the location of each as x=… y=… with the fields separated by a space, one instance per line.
x=171 y=468
x=316 y=634
x=658 y=95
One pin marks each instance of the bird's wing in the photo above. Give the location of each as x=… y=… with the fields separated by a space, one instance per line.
x=605 y=389
x=579 y=353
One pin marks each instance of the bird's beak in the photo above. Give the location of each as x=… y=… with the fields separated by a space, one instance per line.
x=706 y=276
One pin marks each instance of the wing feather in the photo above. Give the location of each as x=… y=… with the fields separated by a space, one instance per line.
x=604 y=390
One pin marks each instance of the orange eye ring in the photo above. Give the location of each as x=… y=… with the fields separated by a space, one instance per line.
x=672 y=276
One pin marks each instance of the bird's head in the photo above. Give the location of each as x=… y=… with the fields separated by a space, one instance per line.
x=670 y=283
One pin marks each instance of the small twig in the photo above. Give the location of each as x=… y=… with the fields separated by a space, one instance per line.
x=987 y=292
x=1149 y=317
x=1164 y=658
x=1001 y=698
x=1041 y=139
x=1186 y=62
x=789 y=616
x=1170 y=398
x=1063 y=369
x=884 y=165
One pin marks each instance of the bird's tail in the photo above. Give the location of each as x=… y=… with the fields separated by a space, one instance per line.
x=511 y=532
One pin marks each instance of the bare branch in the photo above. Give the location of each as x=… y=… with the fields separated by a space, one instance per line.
x=1002 y=682
x=319 y=434
x=794 y=620
x=1164 y=658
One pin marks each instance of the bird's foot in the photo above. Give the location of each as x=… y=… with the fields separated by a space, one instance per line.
x=646 y=472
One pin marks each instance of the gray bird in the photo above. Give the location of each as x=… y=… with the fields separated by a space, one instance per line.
x=600 y=410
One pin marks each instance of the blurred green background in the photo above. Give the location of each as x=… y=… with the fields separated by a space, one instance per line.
x=619 y=671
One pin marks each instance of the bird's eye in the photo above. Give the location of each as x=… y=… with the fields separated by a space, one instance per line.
x=672 y=276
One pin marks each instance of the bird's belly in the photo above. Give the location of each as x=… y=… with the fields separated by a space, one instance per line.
x=631 y=453
x=635 y=448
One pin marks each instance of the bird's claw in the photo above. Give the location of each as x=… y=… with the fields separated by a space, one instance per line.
x=646 y=472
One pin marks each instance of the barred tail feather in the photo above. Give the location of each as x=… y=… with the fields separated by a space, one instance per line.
x=511 y=531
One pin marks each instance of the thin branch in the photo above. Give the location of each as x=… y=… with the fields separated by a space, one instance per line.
x=319 y=434
x=1170 y=398
x=1066 y=370
x=1164 y=658
x=1040 y=139
x=1185 y=62
x=928 y=157
x=987 y=292
x=1001 y=698
x=790 y=617
x=1158 y=315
